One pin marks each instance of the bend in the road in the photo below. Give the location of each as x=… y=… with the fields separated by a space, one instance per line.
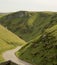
x=10 y=55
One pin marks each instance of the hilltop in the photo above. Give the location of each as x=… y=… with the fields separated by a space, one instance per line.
x=27 y=25
x=3 y=14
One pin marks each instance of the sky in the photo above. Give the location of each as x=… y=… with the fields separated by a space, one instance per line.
x=28 y=5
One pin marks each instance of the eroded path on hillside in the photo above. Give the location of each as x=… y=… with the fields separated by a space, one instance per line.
x=10 y=55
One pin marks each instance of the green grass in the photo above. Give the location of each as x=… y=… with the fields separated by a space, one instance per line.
x=3 y=14
x=39 y=29
x=8 y=40
x=42 y=51
x=27 y=25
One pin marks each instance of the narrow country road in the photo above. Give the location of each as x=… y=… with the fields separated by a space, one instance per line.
x=10 y=55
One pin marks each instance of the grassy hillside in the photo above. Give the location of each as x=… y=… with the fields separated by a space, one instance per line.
x=28 y=25
x=42 y=51
x=40 y=30
x=3 y=14
x=8 y=40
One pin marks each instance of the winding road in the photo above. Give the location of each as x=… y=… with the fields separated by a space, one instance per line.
x=10 y=55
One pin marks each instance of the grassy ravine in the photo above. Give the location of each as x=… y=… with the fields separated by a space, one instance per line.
x=40 y=30
x=8 y=40
x=28 y=25
x=42 y=51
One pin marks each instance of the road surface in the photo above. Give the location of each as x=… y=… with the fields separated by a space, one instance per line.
x=10 y=55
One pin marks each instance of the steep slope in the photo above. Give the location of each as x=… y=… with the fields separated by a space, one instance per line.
x=8 y=40
x=42 y=51
x=40 y=29
x=27 y=25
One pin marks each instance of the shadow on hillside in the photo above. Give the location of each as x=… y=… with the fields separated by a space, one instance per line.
x=8 y=63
